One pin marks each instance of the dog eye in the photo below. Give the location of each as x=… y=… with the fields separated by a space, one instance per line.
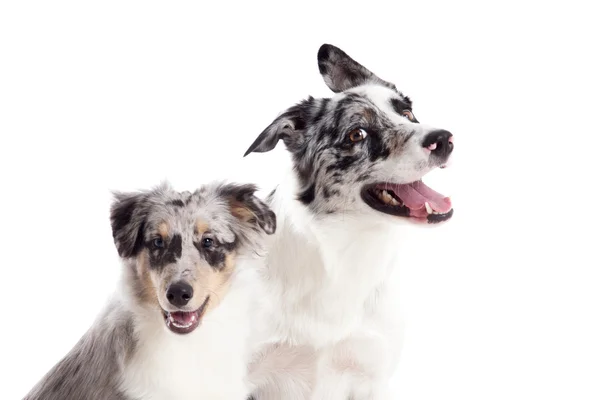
x=358 y=134
x=158 y=243
x=207 y=243
x=408 y=114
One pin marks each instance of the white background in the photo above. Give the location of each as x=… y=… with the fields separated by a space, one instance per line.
x=503 y=302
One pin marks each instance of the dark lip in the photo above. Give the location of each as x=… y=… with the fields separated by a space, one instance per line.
x=373 y=201
x=183 y=331
x=437 y=218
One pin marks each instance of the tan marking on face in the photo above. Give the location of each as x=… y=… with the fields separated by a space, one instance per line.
x=163 y=230
x=201 y=226
x=144 y=288
x=213 y=283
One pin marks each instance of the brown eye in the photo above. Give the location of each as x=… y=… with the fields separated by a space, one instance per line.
x=358 y=134
x=408 y=114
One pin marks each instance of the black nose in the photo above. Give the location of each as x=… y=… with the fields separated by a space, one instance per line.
x=440 y=143
x=179 y=294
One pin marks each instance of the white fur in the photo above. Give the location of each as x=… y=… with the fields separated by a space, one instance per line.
x=331 y=305
x=402 y=169
x=208 y=363
x=334 y=314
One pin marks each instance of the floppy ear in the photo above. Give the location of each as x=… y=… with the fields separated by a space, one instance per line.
x=288 y=126
x=341 y=72
x=252 y=212
x=127 y=218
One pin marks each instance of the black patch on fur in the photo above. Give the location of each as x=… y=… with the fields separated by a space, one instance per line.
x=127 y=219
x=323 y=56
x=177 y=203
x=322 y=109
x=167 y=255
x=341 y=72
x=308 y=195
x=175 y=246
x=377 y=148
x=215 y=256
x=346 y=162
x=400 y=105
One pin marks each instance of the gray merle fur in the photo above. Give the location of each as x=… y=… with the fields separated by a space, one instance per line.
x=230 y=213
x=315 y=132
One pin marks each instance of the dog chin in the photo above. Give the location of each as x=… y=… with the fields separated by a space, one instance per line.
x=414 y=201
x=184 y=322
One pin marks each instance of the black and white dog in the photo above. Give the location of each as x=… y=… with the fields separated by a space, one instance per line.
x=358 y=159
x=179 y=327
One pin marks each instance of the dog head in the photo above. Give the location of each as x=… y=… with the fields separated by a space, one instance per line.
x=362 y=150
x=181 y=248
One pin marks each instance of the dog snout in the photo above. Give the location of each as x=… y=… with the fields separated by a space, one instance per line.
x=180 y=293
x=440 y=143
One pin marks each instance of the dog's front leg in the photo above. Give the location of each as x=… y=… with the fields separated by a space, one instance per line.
x=332 y=384
x=345 y=386
x=356 y=368
x=233 y=392
x=350 y=384
x=372 y=390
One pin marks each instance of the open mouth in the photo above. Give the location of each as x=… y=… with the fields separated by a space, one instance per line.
x=415 y=200
x=183 y=322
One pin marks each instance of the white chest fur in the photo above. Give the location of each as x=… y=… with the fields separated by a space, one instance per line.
x=209 y=363
x=327 y=280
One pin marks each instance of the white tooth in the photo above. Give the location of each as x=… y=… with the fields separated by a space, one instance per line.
x=428 y=208
x=182 y=325
x=394 y=202
x=385 y=196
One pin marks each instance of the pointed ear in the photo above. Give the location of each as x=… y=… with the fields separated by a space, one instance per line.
x=289 y=126
x=127 y=218
x=252 y=213
x=341 y=72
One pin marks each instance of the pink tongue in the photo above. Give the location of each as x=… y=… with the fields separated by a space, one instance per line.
x=414 y=195
x=183 y=318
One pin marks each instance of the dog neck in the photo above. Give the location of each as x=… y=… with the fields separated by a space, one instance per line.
x=330 y=267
